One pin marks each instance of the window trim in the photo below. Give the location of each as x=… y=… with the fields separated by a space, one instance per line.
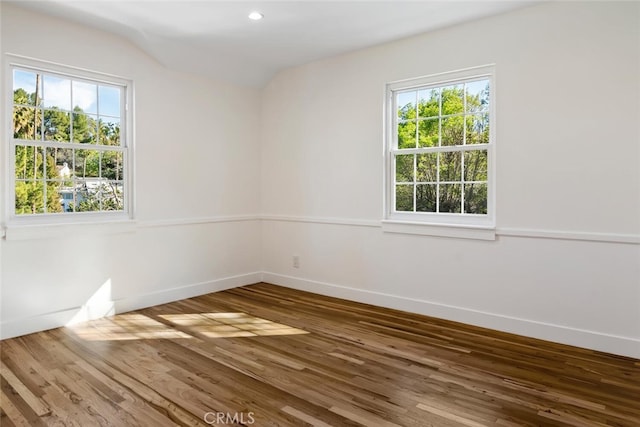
x=11 y=219
x=438 y=224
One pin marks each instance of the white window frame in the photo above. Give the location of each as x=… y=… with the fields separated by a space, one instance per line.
x=13 y=220
x=474 y=226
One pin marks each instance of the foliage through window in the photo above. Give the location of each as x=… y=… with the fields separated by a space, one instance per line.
x=69 y=146
x=440 y=148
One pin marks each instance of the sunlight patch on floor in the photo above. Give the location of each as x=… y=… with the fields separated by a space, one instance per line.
x=126 y=327
x=136 y=326
x=218 y=325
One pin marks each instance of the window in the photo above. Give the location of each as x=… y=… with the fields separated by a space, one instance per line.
x=440 y=149
x=69 y=146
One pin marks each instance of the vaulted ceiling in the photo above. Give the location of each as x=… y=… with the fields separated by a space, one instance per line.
x=216 y=38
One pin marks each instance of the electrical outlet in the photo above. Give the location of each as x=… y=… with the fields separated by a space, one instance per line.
x=296 y=261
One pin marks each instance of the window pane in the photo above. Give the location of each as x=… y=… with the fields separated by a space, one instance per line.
x=426 y=198
x=404 y=198
x=63 y=159
x=88 y=197
x=24 y=87
x=109 y=131
x=429 y=103
x=404 y=168
x=29 y=197
x=56 y=92
x=53 y=199
x=407 y=135
x=452 y=131
x=44 y=164
x=85 y=97
x=428 y=132
x=109 y=101
x=477 y=129
x=87 y=164
x=49 y=168
x=112 y=196
x=427 y=167
x=23 y=159
x=79 y=163
x=477 y=96
x=450 y=198
x=52 y=169
x=85 y=129
x=57 y=126
x=112 y=165
x=29 y=162
x=26 y=123
x=64 y=167
x=452 y=100
x=475 y=165
x=475 y=198
x=406 y=102
x=67 y=199
x=450 y=166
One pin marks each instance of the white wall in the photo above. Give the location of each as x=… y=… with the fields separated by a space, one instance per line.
x=197 y=168
x=568 y=178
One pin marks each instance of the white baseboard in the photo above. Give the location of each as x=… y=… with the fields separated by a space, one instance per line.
x=578 y=337
x=624 y=346
x=93 y=310
x=28 y=325
x=183 y=292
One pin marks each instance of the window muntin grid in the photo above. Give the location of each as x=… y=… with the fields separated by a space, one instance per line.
x=440 y=148
x=68 y=147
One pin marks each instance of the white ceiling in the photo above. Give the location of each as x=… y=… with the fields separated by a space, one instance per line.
x=216 y=38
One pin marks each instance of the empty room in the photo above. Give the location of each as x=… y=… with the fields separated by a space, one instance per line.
x=320 y=213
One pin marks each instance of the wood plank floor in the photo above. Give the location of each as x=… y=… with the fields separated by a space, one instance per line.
x=269 y=356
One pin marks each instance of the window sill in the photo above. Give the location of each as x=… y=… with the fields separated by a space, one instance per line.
x=439 y=230
x=65 y=230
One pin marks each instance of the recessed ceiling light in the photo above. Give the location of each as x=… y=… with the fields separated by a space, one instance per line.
x=256 y=16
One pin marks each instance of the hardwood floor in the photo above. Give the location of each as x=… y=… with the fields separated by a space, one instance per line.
x=265 y=355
